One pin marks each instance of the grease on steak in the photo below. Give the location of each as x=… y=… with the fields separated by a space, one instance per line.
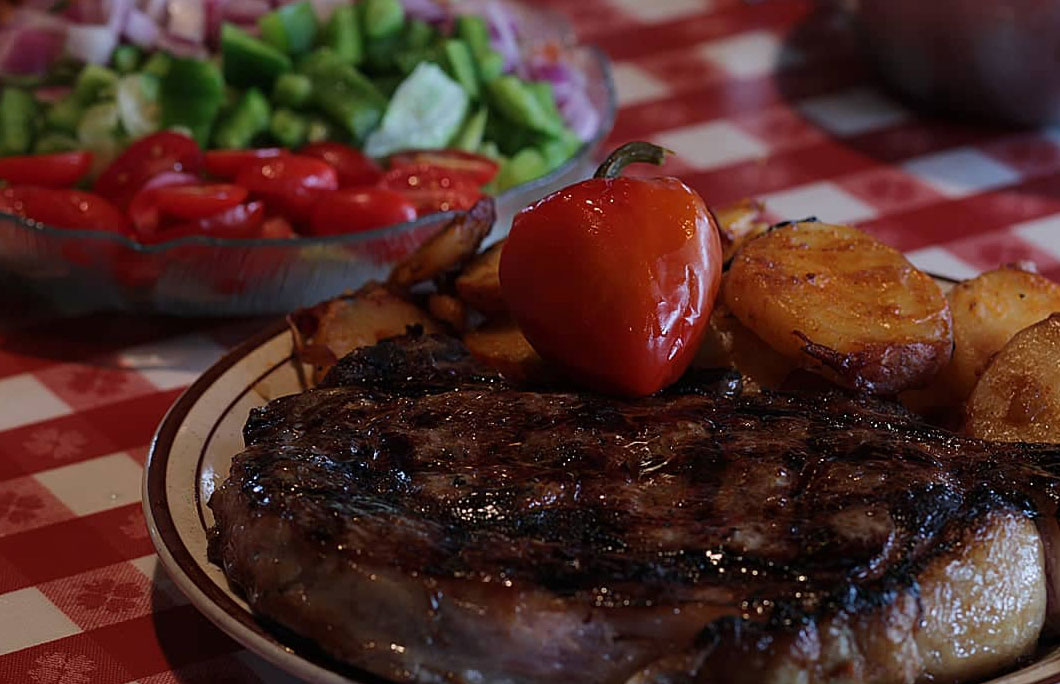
x=419 y=518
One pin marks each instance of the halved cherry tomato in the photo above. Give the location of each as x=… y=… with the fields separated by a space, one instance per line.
x=226 y=164
x=277 y=227
x=352 y=165
x=239 y=222
x=144 y=159
x=290 y=185
x=59 y=170
x=353 y=210
x=432 y=188
x=61 y=208
x=476 y=168
x=198 y=201
x=144 y=211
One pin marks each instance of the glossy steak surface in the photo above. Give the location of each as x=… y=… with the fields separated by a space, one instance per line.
x=417 y=517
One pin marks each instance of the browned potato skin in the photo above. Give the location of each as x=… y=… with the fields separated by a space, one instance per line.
x=1017 y=399
x=738 y=223
x=727 y=343
x=448 y=249
x=327 y=332
x=501 y=345
x=987 y=311
x=480 y=283
x=839 y=302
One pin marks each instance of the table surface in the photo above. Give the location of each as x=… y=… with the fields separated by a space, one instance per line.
x=764 y=99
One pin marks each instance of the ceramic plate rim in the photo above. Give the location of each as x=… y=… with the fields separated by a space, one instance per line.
x=185 y=568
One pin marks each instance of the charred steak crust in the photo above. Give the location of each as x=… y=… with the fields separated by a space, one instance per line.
x=418 y=517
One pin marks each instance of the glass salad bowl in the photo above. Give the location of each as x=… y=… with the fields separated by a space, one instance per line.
x=78 y=270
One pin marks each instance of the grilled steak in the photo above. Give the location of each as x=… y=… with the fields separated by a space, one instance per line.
x=419 y=518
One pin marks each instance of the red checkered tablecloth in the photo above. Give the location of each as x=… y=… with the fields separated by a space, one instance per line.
x=763 y=99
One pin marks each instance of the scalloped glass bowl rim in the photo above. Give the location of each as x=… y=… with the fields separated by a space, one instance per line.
x=603 y=129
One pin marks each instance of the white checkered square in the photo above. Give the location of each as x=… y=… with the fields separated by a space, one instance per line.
x=823 y=200
x=749 y=55
x=635 y=85
x=712 y=144
x=26 y=400
x=938 y=261
x=1043 y=233
x=174 y=362
x=854 y=111
x=960 y=172
x=657 y=11
x=95 y=485
x=29 y=618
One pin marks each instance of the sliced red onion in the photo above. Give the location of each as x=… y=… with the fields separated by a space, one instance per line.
x=117 y=13
x=92 y=43
x=167 y=178
x=504 y=38
x=245 y=11
x=430 y=11
x=141 y=29
x=324 y=8
x=51 y=94
x=580 y=115
x=187 y=20
x=156 y=9
x=180 y=47
x=29 y=50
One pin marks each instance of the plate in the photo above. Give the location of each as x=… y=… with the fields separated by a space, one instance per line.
x=191 y=455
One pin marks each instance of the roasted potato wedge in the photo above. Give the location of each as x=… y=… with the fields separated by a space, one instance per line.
x=448 y=309
x=843 y=304
x=727 y=343
x=447 y=249
x=987 y=311
x=738 y=223
x=501 y=345
x=328 y=331
x=480 y=283
x=1017 y=399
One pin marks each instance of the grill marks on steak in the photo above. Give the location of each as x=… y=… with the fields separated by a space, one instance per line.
x=521 y=536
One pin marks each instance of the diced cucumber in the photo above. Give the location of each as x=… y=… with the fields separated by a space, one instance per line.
x=380 y=53
x=249 y=61
x=54 y=142
x=65 y=114
x=407 y=60
x=489 y=149
x=343 y=34
x=250 y=118
x=126 y=58
x=558 y=150
x=461 y=66
x=382 y=18
x=470 y=136
x=472 y=30
x=289 y=128
x=425 y=112
x=526 y=165
x=345 y=95
x=490 y=65
x=94 y=83
x=191 y=96
x=419 y=34
x=318 y=60
x=157 y=64
x=138 y=106
x=292 y=90
x=17 y=111
x=291 y=29
x=517 y=102
x=100 y=132
x=320 y=129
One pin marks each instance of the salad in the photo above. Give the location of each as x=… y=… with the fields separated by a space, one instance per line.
x=159 y=120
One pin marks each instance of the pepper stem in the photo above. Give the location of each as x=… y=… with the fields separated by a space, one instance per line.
x=631 y=153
